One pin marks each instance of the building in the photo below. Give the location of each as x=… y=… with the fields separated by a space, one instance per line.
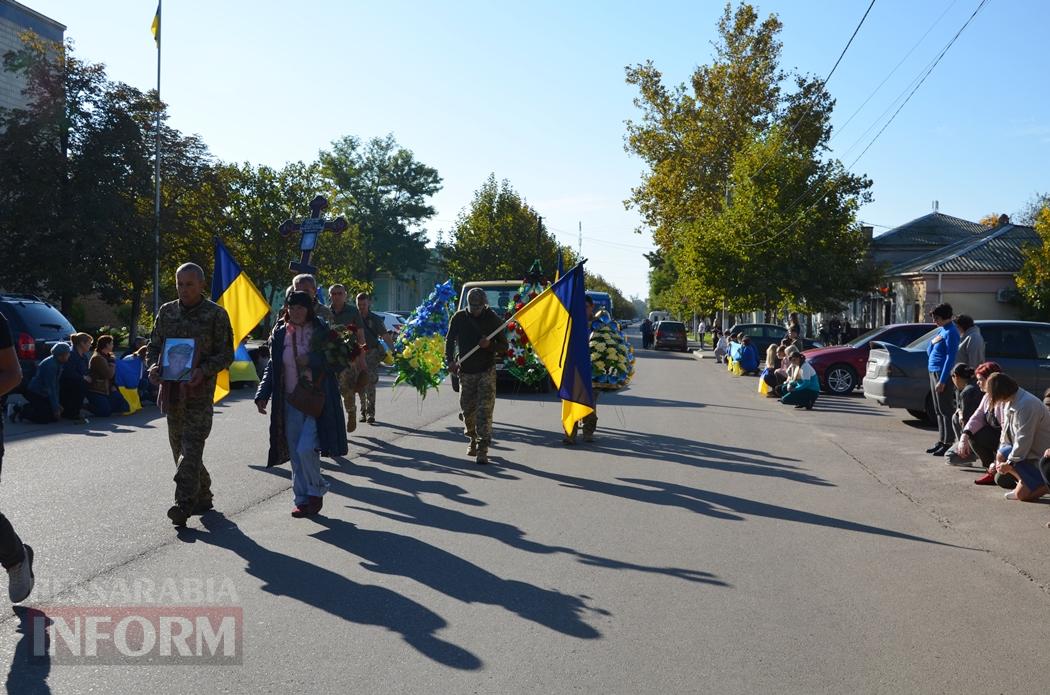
x=16 y=18
x=405 y=293
x=975 y=275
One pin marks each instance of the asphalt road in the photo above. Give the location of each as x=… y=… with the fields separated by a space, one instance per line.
x=710 y=540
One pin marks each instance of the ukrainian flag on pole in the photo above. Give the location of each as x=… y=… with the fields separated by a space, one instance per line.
x=233 y=291
x=556 y=324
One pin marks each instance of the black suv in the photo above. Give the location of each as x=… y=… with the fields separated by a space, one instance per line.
x=35 y=326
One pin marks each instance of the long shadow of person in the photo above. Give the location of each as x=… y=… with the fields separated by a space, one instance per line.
x=392 y=553
x=325 y=590
x=30 y=663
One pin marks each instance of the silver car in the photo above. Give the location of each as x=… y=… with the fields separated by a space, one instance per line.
x=899 y=377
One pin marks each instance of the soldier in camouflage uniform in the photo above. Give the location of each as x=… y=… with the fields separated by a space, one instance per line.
x=477 y=373
x=188 y=404
x=344 y=314
x=374 y=328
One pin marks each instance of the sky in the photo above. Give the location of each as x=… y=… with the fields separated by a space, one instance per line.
x=534 y=92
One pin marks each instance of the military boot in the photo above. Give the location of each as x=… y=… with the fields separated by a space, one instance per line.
x=473 y=450
x=179 y=514
x=482 y=458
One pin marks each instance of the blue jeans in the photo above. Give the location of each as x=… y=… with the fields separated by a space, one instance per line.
x=301 y=432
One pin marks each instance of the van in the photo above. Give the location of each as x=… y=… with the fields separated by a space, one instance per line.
x=656 y=316
x=499 y=294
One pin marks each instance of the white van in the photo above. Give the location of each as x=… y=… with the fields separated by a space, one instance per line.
x=656 y=316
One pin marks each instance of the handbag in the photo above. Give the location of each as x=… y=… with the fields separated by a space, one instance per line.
x=307 y=397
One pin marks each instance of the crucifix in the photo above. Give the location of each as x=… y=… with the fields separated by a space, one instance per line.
x=309 y=228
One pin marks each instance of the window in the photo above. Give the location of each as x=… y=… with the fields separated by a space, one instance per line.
x=1041 y=338
x=1005 y=341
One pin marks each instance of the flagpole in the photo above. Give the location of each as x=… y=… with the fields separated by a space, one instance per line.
x=156 y=178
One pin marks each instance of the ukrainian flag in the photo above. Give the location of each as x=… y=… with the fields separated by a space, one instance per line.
x=556 y=324
x=233 y=291
x=155 y=26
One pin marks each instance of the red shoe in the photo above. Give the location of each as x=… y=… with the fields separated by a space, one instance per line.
x=986 y=479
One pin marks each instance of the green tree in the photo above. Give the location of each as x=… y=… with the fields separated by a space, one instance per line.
x=498 y=237
x=383 y=190
x=743 y=207
x=48 y=247
x=622 y=307
x=1033 y=280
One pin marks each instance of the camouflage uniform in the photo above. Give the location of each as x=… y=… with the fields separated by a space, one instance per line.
x=348 y=315
x=477 y=399
x=477 y=375
x=374 y=328
x=324 y=312
x=189 y=410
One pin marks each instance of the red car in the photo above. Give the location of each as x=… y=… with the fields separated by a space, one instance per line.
x=841 y=367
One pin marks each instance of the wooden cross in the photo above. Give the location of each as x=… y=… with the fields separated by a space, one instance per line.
x=309 y=229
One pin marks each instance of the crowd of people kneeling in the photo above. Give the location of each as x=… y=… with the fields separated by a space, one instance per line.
x=787 y=375
x=74 y=378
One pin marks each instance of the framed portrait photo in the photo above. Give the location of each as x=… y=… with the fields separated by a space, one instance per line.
x=178 y=358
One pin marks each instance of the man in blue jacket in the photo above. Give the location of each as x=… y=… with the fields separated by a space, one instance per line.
x=42 y=394
x=941 y=358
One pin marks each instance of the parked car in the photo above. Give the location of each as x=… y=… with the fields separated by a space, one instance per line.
x=670 y=334
x=35 y=326
x=898 y=377
x=841 y=367
x=392 y=321
x=765 y=334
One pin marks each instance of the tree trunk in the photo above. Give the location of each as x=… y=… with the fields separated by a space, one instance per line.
x=136 y=309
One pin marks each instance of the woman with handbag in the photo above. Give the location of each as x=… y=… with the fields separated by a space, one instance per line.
x=307 y=417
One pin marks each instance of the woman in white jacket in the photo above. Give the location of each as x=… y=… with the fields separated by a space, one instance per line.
x=1025 y=439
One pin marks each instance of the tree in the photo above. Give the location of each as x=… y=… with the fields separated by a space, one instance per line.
x=744 y=208
x=383 y=190
x=47 y=246
x=1032 y=209
x=497 y=237
x=991 y=220
x=622 y=307
x=1033 y=280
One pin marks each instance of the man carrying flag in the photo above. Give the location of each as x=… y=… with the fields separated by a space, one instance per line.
x=475 y=338
x=557 y=326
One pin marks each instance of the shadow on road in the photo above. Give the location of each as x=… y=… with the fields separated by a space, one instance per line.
x=29 y=672
x=325 y=590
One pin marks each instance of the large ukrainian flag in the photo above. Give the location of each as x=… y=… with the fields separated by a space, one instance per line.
x=233 y=291
x=556 y=324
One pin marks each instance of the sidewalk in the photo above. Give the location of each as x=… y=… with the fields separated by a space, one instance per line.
x=889 y=446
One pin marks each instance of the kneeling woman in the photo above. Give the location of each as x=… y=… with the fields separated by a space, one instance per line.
x=1026 y=436
x=298 y=358
x=803 y=384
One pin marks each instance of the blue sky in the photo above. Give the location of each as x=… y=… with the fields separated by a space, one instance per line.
x=534 y=92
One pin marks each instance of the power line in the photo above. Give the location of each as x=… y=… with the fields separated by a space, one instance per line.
x=921 y=80
x=823 y=83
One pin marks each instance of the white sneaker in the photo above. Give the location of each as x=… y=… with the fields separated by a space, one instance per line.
x=20 y=578
x=1012 y=495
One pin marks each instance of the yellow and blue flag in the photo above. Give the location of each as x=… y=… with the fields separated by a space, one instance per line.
x=155 y=26
x=556 y=324
x=233 y=291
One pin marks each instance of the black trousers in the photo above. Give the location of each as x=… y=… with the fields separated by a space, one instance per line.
x=37 y=409
x=11 y=550
x=985 y=443
x=72 y=392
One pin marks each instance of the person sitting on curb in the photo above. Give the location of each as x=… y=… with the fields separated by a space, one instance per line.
x=1026 y=432
x=967 y=398
x=803 y=385
x=42 y=395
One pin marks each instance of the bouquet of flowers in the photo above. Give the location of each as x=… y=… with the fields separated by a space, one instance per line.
x=521 y=361
x=340 y=347
x=612 y=357
x=419 y=353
